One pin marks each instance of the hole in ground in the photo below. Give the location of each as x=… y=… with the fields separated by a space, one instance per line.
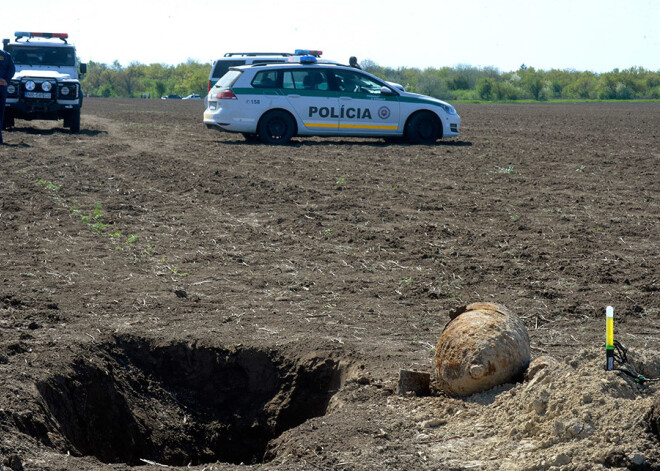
x=178 y=404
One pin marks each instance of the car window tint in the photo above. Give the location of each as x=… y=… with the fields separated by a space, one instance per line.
x=228 y=79
x=315 y=80
x=288 y=80
x=265 y=79
x=305 y=79
x=355 y=82
x=221 y=67
x=295 y=79
x=34 y=55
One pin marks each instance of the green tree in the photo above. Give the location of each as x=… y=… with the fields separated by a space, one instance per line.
x=127 y=80
x=485 y=88
x=532 y=81
x=583 y=86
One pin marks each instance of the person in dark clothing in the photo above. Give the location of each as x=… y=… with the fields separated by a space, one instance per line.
x=7 y=71
x=354 y=63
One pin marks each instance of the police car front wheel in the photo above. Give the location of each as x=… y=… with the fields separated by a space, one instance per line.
x=276 y=127
x=423 y=128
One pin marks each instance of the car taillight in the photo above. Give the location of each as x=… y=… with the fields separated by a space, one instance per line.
x=226 y=95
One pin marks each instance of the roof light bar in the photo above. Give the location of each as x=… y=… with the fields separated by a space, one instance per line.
x=308 y=52
x=308 y=59
x=23 y=34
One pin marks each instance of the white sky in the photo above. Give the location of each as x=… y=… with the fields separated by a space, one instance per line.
x=595 y=35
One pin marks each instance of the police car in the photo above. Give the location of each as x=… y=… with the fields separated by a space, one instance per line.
x=307 y=97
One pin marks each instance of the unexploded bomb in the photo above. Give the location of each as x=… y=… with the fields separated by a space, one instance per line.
x=482 y=346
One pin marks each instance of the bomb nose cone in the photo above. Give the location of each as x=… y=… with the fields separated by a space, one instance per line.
x=482 y=346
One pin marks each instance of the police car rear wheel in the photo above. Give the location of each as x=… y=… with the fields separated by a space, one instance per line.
x=423 y=128
x=276 y=128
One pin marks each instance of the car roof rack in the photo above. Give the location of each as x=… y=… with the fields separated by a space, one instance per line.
x=282 y=64
x=254 y=54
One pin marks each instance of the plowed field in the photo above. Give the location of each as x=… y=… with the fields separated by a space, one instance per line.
x=174 y=296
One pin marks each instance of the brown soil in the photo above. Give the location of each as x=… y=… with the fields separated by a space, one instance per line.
x=175 y=296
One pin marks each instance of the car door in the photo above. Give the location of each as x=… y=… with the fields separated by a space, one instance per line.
x=367 y=106
x=309 y=94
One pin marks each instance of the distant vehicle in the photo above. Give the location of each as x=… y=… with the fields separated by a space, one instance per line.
x=193 y=96
x=47 y=80
x=307 y=97
x=171 y=97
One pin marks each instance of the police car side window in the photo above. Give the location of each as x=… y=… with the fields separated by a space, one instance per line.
x=266 y=79
x=352 y=82
x=319 y=80
x=288 y=81
x=297 y=80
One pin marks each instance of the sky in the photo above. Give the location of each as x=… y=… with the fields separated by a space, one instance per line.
x=593 y=35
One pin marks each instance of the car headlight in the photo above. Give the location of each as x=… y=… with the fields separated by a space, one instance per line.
x=448 y=108
x=64 y=90
x=11 y=89
x=46 y=86
x=30 y=85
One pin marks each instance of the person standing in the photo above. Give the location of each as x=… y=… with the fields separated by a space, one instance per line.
x=7 y=71
x=353 y=62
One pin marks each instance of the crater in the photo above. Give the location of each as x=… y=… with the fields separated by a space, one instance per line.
x=178 y=404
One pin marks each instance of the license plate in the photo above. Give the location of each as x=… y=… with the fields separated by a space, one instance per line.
x=41 y=95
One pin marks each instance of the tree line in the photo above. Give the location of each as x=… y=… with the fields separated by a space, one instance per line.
x=451 y=83
x=526 y=83
x=137 y=80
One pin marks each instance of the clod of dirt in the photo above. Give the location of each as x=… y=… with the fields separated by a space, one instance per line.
x=539 y=364
x=484 y=345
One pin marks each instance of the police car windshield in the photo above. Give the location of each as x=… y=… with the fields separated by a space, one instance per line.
x=42 y=55
x=228 y=79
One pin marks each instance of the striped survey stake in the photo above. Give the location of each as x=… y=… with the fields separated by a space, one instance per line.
x=609 y=338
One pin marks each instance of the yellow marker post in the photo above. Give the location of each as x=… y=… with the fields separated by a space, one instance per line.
x=609 y=338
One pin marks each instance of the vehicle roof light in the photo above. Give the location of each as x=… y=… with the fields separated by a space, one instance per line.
x=308 y=52
x=307 y=60
x=302 y=59
x=23 y=34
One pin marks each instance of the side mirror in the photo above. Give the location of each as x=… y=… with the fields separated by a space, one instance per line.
x=386 y=91
x=83 y=68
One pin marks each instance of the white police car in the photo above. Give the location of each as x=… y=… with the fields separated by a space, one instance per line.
x=308 y=98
